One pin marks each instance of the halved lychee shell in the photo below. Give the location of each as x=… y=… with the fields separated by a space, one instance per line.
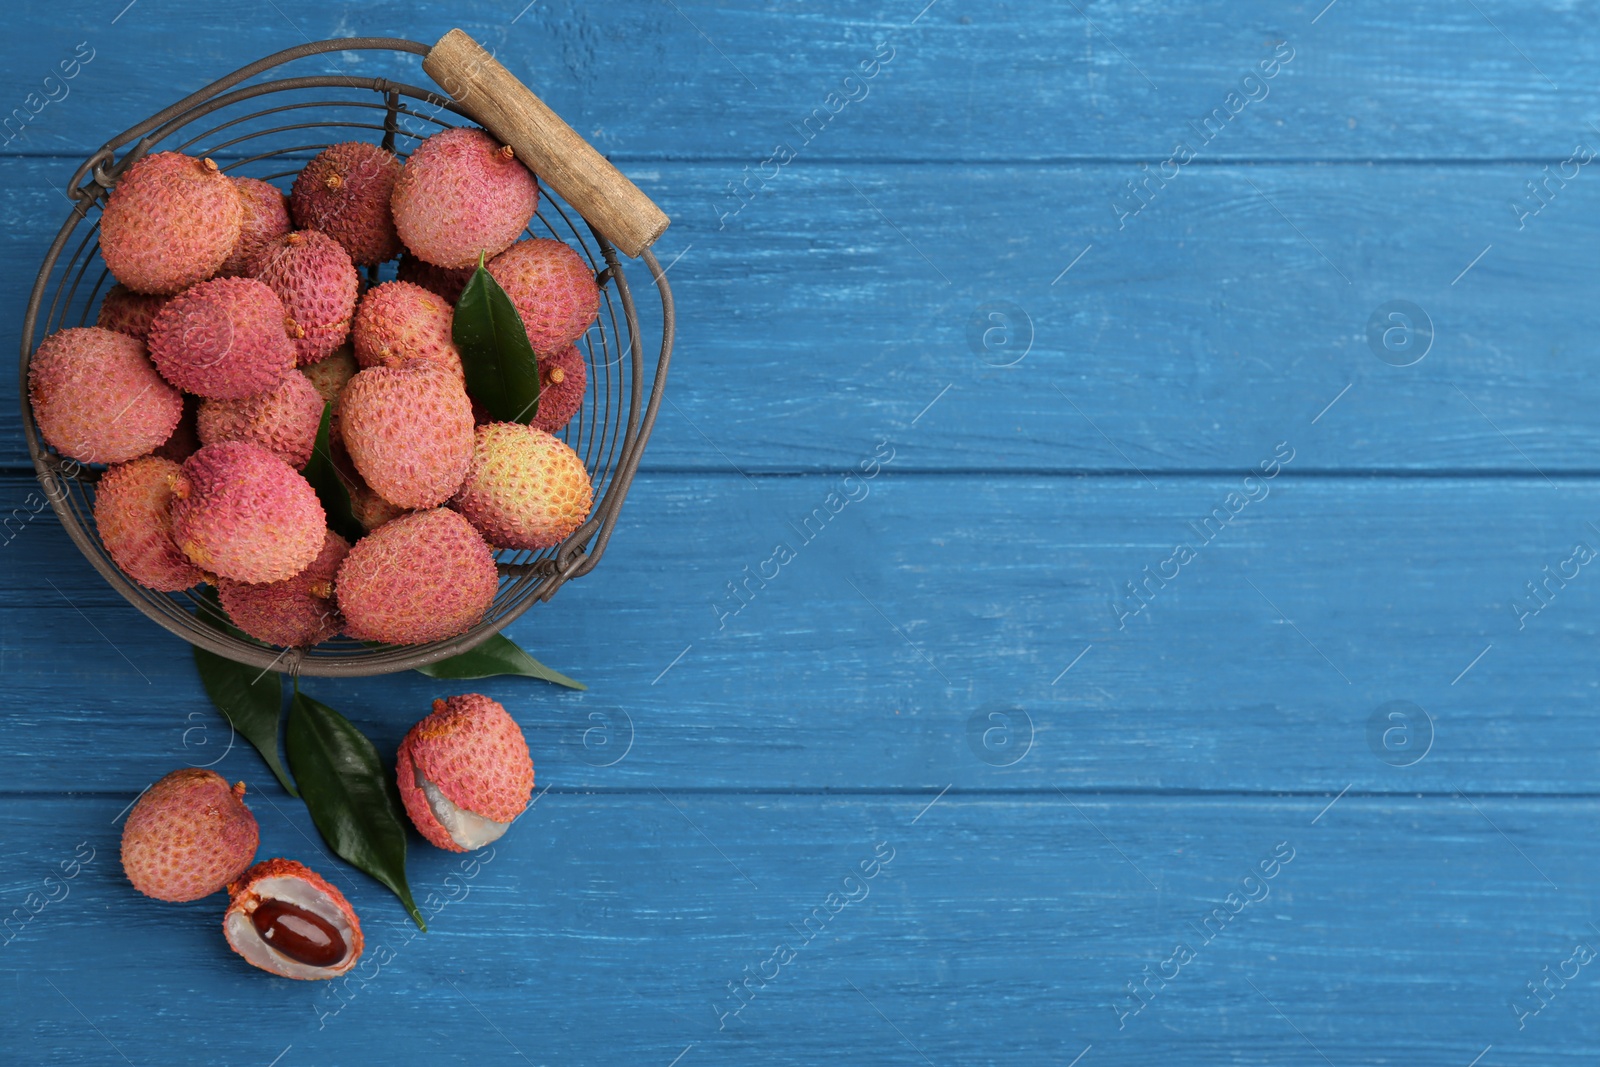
x=464 y=772
x=317 y=931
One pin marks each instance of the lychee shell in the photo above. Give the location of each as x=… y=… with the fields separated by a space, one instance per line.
x=265 y=216
x=188 y=836
x=408 y=430
x=170 y=222
x=421 y=577
x=128 y=312
x=563 y=377
x=284 y=419
x=397 y=321
x=97 y=397
x=296 y=612
x=461 y=195
x=132 y=513
x=224 y=339
x=243 y=513
x=311 y=891
x=314 y=277
x=526 y=489
x=344 y=192
x=553 y=288
x=474 y=752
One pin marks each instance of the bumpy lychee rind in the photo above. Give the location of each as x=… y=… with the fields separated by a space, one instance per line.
x=224 y=339
x=408 y=430
x=244 y=895
x=243 y=513
x=446 y=282
x=129 y=312
x=398 y=321
x=421 y=577
x=283 y=420
x=474 y=753
x=314 y=277
x=265 y=216
x=97 y=397
x=188 y=836
x=461 y=195
x=296 y=612
x=132 y=512
x=331 y=375
x=345 y=193
x=553 y=288
x=526 y=489
x=368 y=508
x=169 y=223
x=563 y=377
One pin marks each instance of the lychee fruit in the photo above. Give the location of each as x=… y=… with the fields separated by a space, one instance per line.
x=462 y=194
x=553 y=288
x=188 y=836
x=345 y=193
x=313 y=276
x=97 y=397
x=283 y=420
x=297 y=612
x=169 y=223
x=243 y=513
x=224 y=339
x=368 y=508
x=285 y=919
x=464 y=772
x=563 y=377
x=265 y=217
x=408 y=430
x=129 y=312
x=446 y=282
x=132 y=512
x=398 y=321
x=421 y=577
x=526 y=489
x=330 y=375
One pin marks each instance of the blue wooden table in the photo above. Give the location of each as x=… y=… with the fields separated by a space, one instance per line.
x=1204 y=673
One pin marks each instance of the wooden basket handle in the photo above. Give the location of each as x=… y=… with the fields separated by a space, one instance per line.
x=557 y=154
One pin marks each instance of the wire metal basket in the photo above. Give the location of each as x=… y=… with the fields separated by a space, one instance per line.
x=269 y=130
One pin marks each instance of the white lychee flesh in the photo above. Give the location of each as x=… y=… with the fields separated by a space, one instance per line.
x=247 y=942
x=467 y=829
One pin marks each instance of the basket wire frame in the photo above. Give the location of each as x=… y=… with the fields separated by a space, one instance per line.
x=609 y=432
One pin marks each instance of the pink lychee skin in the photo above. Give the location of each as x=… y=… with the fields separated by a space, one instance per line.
x=170 y=222
x=296 y=612
x=97 y=397
x=132 y=513
x=563 y=377
x=188 y=836
x=408 y=430
x=474 y=752
x=284 y=420
x=265 y=217
x=398 y=321
x=421 y=577
x=243 y=513
x=526 y=488
x=446 y=282
x=370 y=509
x=553 y=288
x=314 y=277
x=129 y=312
x=242 y=895
x=345 y=193
x=224 y=339
x=461 y=195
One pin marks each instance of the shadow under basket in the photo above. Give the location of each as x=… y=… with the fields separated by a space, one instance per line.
x=270 y=130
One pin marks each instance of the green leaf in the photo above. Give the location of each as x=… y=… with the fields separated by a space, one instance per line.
x=250 y=698
x=496 y=656
x=502 y=371
x=324 y=478
x=352 y=797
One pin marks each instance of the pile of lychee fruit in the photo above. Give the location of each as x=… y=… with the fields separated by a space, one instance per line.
x=464 y=774
x=239 y=312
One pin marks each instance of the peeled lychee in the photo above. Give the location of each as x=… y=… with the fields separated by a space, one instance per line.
x=129 y=312
x=446 y=282
x=464 y=772
x=243 y=513
x=265 y=217
x=526 y=489
x=224 y=339
x=563 y=377
x=296 y=612
x=313 y=276
x=286 y=919
x=462 y=194
x=132 y=512
x=421 y=577
x=97 y=397
x=398 y=321
x=345 y=193
x=408 y=430
x=553 y=288
x=188 y=836
x=283 y=420
x=169 y=223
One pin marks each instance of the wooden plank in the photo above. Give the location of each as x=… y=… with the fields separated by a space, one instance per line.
x=1032 y=80
x=1199 y=336
x=1001 y=931
x=875 y=656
